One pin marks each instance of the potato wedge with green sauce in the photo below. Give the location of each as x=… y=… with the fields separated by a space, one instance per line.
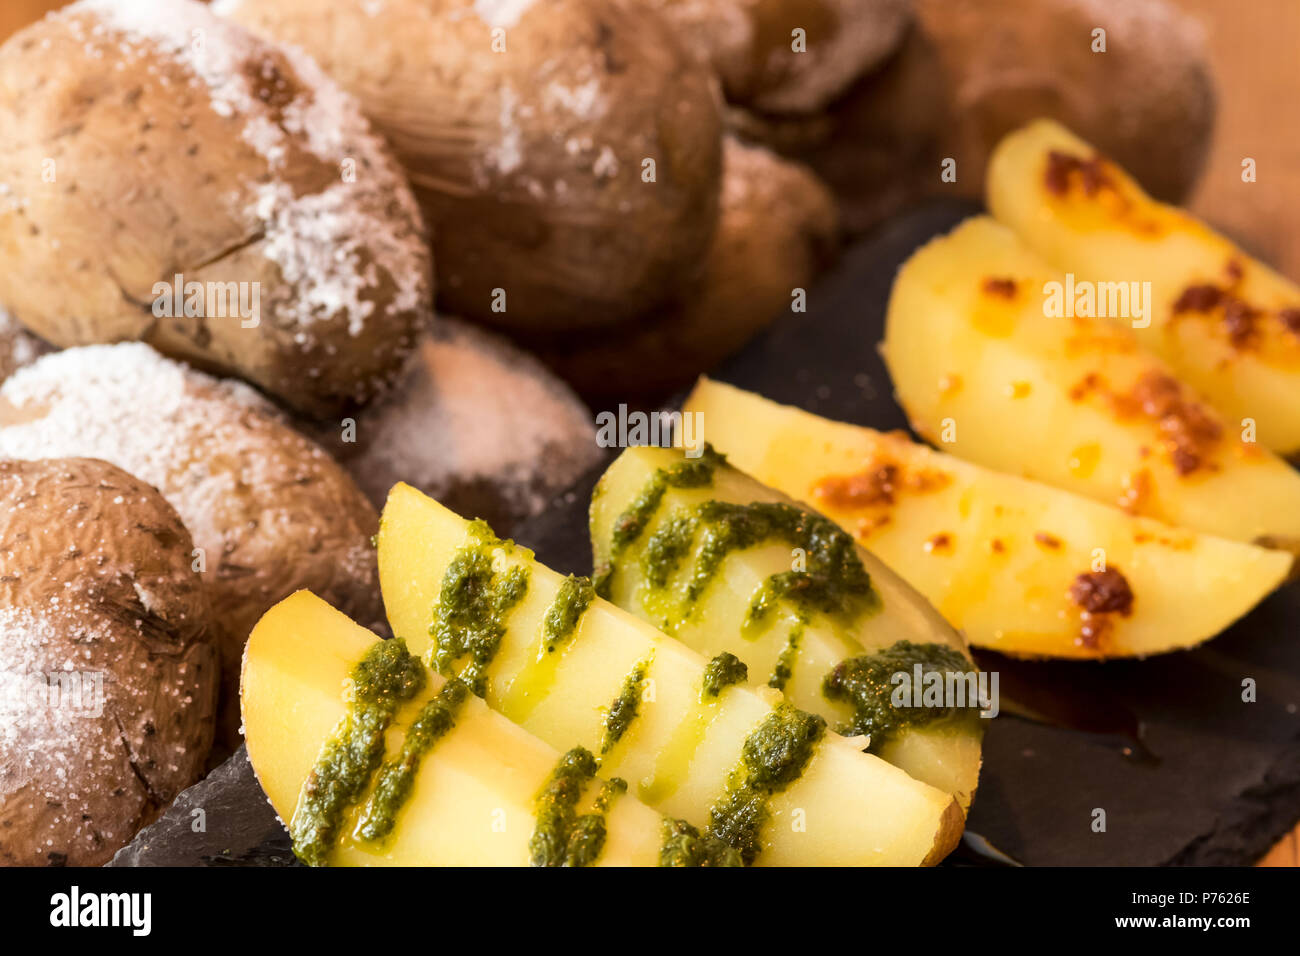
x=984 y=372
x=1227 y=324
x=1018 y=567
x=471 y=797
x=574 y=670
x=726 y=565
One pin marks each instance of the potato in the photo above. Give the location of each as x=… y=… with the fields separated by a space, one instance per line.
x=473 y=422
x=528 y=130
x=18 y=13
x=298 y=246
x=1001 y=558
x=18 y=347
x=777 y=232
x=985 y=371
x=789 y=56
x=1148 y=99
x=270 y=512
x=1226 y=323
x=625 y=691
x=798 y=646
x=473 y=800
x=109 y=675
x=879 y=146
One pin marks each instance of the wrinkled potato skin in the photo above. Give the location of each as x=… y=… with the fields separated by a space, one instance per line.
x=1148 y=101
x=117 y=559
x=150 y=181
x=778 y=231
x=879 y=147
x=750 y=43
x=283 y=514
x=550 y=205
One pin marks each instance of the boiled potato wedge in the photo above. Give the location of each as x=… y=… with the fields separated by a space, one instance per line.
x=986 y=371
x=473 y=801
x=1228 y=324
x=658 y=574
x=582 y=672
x=1001 y=557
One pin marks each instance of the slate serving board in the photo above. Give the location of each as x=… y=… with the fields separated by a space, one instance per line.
x=1212 y=780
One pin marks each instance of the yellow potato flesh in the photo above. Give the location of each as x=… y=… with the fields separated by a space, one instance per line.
x=474 y=799
x=991 y=378
x=950 y=761
x=848 y=808
x=1118 y=233
x=1013 y=546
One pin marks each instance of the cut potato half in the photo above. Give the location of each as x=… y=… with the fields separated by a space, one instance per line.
x=474 y=797
x=986 y=371
x=798 y=644
x=1012 y=563
x=1228 y=324
x=591 y=675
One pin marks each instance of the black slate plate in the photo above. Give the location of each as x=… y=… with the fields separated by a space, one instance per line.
x=1224 y=783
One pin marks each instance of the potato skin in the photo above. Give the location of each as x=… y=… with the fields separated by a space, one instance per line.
x=270 y=511
x=967 y=72
x=879 y=147
x=1148 y=101
x=778 y=231
x=133 y=158
x=477 y=424
x=95 y=577
x=750 y=44
x=529 y=162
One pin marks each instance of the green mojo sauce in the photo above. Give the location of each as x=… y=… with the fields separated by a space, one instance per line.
x=721 y=672
x=397 y=776
x=469 y=619
x=865 y=683
x=571 y=602
x=684 y=845
x=384 y=679
x=690 y=473
x=832 y=581
x=625 y=708
x=774 y=757
x=561 y=836
x=784 y=668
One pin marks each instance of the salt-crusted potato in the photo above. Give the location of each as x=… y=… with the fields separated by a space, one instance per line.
x=270 y=512
x=18 y=347
x=109 y=676
x=1225 y=321
x=766 y=62
x=1148 y=100
x=249 y=173
x=477 y=424
x=778 y=230
x=527 y=129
